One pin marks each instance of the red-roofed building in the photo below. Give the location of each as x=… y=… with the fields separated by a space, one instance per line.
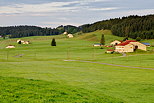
x=129 y=46
x=110 y=51
x=115 y=42
x=10 y=46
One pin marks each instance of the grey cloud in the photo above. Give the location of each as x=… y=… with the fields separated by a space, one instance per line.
x=12 y=2
x=88 y=11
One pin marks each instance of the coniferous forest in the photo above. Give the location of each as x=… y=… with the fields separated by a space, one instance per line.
x=25 y=31
x=132 y=26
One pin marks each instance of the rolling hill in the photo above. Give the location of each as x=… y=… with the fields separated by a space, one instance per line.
x=43 y=74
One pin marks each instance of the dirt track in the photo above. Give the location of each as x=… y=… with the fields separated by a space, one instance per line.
x=111 y=64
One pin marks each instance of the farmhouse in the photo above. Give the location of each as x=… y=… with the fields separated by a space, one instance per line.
x=70 y=36
x=65 y=33
x=129 y=46
x=20 y=40
x=10 y=46
x=26 y=42
x=115 y=42
x=110 y=51
x=23 y=42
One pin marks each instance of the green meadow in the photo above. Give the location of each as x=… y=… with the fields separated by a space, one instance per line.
x=40 y=73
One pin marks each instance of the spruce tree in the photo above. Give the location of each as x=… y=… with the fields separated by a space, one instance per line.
x=53 y=43
x=102 y=40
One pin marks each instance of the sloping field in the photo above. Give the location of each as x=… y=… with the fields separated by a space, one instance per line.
x=41 y=73
x=96 y=36
x=36 y=91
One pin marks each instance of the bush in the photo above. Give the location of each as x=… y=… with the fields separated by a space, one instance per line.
x=138 y=39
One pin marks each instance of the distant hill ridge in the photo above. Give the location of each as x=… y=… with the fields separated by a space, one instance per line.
x=132 y=26
x=25 y=31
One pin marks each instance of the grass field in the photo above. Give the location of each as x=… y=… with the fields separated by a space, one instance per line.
x=42 y=75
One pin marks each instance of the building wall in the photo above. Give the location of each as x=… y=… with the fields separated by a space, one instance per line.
x=96 y=45
x=129 y=48
x=119 y=48
x=10 y=47
x=126 y=48
x=70 y=35
x=140 y=45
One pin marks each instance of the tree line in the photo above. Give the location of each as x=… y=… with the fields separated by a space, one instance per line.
x=132 y=26
x=25 y=31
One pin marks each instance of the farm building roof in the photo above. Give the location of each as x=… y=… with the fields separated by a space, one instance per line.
x=146 y=43
x=126 y=42
x=110 y=50
x=97 y=43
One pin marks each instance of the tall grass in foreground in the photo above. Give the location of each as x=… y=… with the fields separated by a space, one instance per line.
x=18 y=90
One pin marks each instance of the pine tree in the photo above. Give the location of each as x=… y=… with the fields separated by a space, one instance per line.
x=53 y=43
x=102 y=40
x=3 y=36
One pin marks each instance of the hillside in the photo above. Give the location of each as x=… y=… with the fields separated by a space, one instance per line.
x=96 y=36
x=131 y=26
x=26 y=31
x=109 y=37
x=30 y=90
x=44 y=73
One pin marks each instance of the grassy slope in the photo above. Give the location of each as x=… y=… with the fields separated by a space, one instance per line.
x=96 y=36
x=36 y=91
x=43 y=62
x=140 y=59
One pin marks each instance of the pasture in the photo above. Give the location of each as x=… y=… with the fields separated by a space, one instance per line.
x=40 y=73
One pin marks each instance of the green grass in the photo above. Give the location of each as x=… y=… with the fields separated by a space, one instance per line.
x=96 y=36
x=42 y=69
x=18 y=90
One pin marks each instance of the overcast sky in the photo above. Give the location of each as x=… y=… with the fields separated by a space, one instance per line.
x=52 y=13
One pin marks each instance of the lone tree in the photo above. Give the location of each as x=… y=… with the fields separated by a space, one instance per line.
x=4 y=36
x=102 y=40
x=53 y=43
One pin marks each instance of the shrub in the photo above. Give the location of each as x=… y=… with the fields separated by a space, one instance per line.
x=138 y=39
